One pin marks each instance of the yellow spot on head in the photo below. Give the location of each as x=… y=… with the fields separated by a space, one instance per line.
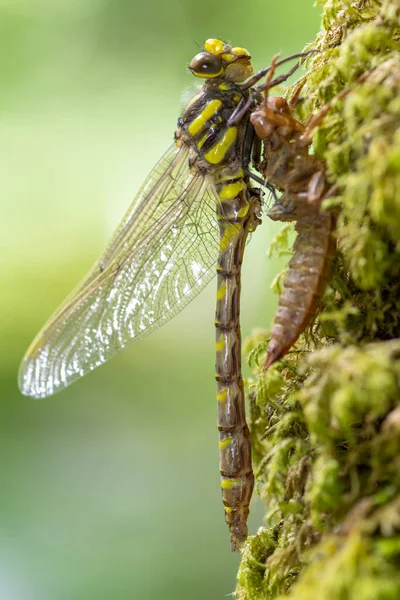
x=217 y=153
x=240 y=51
x=214 y=46
x=209 y=111
x=228 y=484
x=208 y=75
x=228 y=57
x=223 y=87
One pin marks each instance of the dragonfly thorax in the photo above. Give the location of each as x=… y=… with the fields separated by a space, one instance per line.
x=204 y=127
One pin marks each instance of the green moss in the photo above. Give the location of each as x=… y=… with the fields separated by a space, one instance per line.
x=327 y=458
x=326 y=419
x=353 y=566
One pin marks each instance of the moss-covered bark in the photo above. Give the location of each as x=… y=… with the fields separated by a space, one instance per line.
x=326 y=419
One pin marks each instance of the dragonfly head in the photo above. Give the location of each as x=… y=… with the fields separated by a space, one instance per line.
x=223 y=61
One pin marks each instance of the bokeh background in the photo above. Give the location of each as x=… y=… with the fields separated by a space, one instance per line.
x=111 y=488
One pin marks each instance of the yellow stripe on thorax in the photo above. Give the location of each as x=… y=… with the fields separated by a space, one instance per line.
x=208 y=111
x=193 y=100
x=231 y=190
x=227 y=174
x=203 y=139
x=217 y=152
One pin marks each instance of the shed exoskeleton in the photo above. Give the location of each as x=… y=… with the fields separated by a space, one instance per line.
x=301 y=178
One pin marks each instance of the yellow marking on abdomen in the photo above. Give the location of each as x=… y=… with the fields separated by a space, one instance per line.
x=221 y=292
x=231 y=231
x=222 y=396
x=208 y=111
x=220 y=345
x=228 y=484
x=225 y=443
x=231 y=190
x=217 y=152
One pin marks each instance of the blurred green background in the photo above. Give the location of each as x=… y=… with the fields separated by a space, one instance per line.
x=111 y=488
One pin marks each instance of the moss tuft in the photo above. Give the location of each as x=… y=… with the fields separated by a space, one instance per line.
x=326 y=418
x=352 y=566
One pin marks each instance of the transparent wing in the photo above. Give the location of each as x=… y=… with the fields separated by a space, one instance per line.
x=160 y=257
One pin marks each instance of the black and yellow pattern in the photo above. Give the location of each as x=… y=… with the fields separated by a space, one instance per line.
x=193 y=212
x=217 y=150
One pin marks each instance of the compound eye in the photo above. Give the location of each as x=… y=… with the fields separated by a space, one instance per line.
x=206 y=65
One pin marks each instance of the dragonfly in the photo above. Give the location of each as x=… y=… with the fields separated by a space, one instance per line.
x=190 y=219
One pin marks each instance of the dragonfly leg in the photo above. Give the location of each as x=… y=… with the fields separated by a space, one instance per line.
x=260 y=74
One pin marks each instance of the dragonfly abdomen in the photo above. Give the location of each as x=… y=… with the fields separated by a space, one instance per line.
x=216 y=150
x=236 y=217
